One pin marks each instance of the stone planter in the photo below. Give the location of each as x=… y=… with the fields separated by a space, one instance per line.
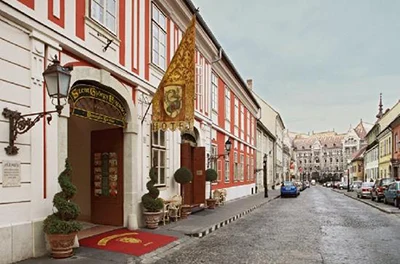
x=211 y=203
x=61 y=244
x=185 y=211
x=152 y=219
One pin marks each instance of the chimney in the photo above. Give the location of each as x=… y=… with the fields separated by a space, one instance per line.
x=250 y=84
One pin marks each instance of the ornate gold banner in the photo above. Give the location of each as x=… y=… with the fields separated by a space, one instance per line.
x=173 y=102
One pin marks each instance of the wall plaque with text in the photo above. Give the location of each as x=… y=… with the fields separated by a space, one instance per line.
x=11 y=173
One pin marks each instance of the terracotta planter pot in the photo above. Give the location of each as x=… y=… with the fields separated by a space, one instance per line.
x=211 y=203
x=152 y=219
x=185 y=211
x=61 y=244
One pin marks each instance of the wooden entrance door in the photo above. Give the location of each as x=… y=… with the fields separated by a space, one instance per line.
x=107 y=177
x=193 y=158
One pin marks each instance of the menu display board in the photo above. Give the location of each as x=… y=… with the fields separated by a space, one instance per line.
x=105 y=174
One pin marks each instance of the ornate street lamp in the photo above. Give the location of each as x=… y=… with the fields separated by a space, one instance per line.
x=57 y=80
x=211 y=158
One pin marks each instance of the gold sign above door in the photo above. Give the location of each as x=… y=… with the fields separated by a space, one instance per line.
x=97 y=104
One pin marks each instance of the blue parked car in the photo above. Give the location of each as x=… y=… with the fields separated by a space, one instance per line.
x=391 y=193
x=288 y=188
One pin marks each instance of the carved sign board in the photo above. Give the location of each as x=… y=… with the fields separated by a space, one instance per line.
x=98 y=104
x=11 y=173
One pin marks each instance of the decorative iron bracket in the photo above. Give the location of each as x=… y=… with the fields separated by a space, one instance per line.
x=20 y=124
x=212 y=158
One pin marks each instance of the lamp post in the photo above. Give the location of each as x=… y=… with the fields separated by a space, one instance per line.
x=57 y=80
x=228 y=146
x=265 y=160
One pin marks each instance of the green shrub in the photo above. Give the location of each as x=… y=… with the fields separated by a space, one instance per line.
x=150 y=200
x=211 y=175
x=183 y=175
x=63 y=220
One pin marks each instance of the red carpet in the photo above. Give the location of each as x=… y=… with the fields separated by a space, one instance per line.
x=129 y=242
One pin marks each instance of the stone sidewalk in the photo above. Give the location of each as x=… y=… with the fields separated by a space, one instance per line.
x=387 y=208
x=187 y=231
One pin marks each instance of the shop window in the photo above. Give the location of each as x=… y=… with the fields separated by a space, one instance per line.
x=105 y=12
x=158 y=156
x=159 y=37
x=241 y=167
x=235 y=166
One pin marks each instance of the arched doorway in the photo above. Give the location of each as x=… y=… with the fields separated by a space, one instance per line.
x=96 y=151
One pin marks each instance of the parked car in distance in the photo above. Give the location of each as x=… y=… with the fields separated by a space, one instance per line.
x=391 y=193
x=343 y=185
x=365 y=190
x=313 y=182
x=289 y=188
x=377 y=192
x=355 y=186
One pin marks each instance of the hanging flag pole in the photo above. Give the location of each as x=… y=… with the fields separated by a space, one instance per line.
x=148 y=107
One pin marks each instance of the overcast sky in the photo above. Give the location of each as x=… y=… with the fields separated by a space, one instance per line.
x=321 y=64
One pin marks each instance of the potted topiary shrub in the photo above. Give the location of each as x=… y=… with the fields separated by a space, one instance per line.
x=61 y=227
x=151 y=203
x=183 y=176
x=211 y=175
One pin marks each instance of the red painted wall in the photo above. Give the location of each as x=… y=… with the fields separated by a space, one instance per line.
x=80 y=7
x=58 y=21
x=122 y=25
x=28 y=3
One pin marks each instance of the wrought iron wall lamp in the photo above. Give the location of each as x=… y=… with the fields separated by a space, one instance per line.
x=228 y=146
x=57 y=80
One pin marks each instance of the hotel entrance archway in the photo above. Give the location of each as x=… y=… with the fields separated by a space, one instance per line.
x=95 y=150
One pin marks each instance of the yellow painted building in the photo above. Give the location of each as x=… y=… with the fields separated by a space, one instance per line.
x=357 y=165
x=385 y=153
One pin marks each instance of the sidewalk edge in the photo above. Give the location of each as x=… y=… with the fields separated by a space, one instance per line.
x=214 y=227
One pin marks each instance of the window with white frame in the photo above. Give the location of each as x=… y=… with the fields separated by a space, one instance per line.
x=158 y=155
x=213 y=163
x=396 y=142
x=241 y=167
x=252 y=168
x=236 y=113
x=242 y=124
x=105 y=12
x=227 y=104
x=199 y=86
x=219 y=170
x=248 y=138
x=235 y=166
x=248 y=168
x=227 y=171
x=214 y=92
x=159 y=37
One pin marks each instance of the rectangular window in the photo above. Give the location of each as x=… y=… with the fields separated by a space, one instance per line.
x=214 y=92
x=241 y=167
x=199 y=87
x=105 y=12
x=213 y=164
x=227 y=171
x=219 y=170
x=242 y=124
x=396 y=142
x=235 y=166
x=248 y=168
x=236 y=113
x=159 y=37
x=158 y=156
x=227 y=104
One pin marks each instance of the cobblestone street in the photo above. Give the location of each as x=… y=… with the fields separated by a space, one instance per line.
x=320 y=226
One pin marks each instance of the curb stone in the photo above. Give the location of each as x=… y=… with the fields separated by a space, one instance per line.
x=209 y=230
x=372 y=205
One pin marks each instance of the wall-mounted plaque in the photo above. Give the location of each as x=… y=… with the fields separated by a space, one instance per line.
x=11 y=173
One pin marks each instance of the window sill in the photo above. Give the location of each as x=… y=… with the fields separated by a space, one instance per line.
x=156 y=68
x=102 y=30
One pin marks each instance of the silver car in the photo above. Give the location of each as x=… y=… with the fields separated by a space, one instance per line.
x=365 y=190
